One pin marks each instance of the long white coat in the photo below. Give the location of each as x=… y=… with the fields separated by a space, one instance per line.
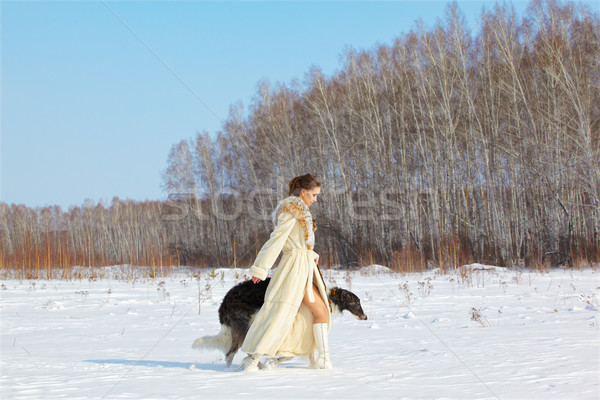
x=283 y=325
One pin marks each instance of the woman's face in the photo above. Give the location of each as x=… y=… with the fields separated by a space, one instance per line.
x=310 y=196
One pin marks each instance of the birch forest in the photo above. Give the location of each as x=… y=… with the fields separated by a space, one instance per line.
x=445 y=147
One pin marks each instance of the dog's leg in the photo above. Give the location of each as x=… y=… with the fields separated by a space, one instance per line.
x=232 y=352
x=238 y=334
x=239 y=324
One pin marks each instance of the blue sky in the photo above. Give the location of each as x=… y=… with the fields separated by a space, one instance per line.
x=94 y=94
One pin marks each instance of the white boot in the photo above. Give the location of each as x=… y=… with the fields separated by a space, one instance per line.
x=322 y=340
x=250 y=363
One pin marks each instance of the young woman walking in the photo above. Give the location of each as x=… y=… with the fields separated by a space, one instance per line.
x=294 y=319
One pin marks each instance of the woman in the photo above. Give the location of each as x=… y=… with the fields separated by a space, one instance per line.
x=294 y=319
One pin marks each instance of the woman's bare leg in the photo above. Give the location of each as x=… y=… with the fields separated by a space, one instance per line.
x=318 y=308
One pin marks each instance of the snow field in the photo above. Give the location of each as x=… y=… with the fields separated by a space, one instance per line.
x=479 y=333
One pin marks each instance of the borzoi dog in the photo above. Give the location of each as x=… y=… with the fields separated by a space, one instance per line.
x=241 y=304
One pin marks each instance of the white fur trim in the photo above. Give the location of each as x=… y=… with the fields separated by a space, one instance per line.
x=258 y=272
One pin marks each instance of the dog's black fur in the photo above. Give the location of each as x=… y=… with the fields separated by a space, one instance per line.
x=242 y=302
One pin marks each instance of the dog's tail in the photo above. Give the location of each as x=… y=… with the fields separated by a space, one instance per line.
x=220 y=341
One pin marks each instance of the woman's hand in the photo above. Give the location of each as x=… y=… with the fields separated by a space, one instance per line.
x=255 y=280
x=317 y=262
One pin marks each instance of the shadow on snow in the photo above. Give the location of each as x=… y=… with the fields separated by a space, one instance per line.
x=163 y=364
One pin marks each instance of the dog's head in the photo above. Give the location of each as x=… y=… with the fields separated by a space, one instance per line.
x=346 y=300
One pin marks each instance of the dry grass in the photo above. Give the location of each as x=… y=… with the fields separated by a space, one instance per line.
x=477 y=316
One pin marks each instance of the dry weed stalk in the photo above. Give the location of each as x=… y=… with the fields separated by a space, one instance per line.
x=405 y=290
x=477 y=316
x=591 y=300
x=425 y=287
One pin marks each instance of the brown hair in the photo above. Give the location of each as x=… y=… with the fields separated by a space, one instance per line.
x=307 y=182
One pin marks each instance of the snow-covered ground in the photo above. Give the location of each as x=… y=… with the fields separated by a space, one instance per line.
x=479 y=333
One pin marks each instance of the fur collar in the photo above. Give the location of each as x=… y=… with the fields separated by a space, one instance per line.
x=298 y=208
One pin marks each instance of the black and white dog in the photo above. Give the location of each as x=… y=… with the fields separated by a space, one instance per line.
x=241 y=304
